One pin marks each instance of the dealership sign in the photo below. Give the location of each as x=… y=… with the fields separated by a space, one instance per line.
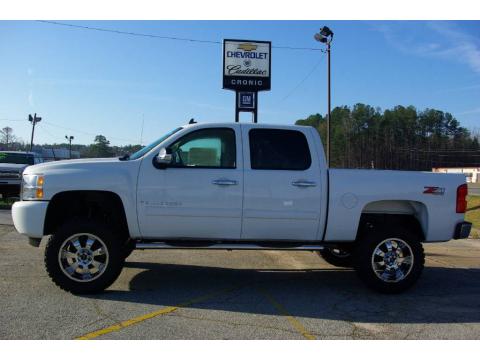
x=246 y=65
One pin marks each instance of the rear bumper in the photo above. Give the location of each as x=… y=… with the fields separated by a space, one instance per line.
x=462 y=230
x=29 y=217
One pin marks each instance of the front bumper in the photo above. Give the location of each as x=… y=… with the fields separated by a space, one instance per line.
x=462 y=230
x=29 y=217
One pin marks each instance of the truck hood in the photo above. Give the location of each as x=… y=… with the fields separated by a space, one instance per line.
x=109 y=174
x=67 y=165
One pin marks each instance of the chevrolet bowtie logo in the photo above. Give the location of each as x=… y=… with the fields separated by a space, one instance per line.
x=247 y=47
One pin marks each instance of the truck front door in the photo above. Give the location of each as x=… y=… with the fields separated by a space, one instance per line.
x=200 y=194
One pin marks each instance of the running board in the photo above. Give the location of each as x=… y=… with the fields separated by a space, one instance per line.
x=227 y=246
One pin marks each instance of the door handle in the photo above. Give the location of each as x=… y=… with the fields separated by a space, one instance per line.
x=304 y=183
x=224 y=182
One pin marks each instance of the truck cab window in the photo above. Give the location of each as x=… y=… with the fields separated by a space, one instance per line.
x=206 y=148
x=275 y=149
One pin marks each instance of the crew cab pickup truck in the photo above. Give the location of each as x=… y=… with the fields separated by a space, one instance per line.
x=235 y=186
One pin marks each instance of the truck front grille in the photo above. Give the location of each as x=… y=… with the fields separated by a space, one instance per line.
x=9 y=175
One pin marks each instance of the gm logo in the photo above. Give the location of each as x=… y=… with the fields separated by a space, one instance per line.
x=246 y=100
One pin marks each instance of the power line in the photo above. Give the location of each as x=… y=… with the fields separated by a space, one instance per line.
x=302 y=81
x=52 y=136
x=85 y=132
x=121 y=32
x=70 y=129
x=297 y=48
x=174 y=38
x=439 y=151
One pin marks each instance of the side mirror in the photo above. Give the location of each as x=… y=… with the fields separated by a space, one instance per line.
x=163 y=159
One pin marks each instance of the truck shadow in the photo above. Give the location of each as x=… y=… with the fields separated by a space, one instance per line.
x=443 y=295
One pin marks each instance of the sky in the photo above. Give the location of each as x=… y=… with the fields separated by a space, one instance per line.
x=85 y=82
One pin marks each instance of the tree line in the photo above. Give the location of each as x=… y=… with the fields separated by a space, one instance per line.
x=363 y=136
x=99 y=148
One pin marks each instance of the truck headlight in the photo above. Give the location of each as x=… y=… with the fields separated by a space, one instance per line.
x=32 y=187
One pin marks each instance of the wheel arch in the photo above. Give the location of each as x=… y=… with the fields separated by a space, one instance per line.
x=105 y=206
x=412 y=214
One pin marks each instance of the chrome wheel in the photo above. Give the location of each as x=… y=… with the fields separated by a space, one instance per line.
x=392 y=260
x=83 y=257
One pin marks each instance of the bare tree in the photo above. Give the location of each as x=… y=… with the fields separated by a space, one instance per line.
x=7 y=137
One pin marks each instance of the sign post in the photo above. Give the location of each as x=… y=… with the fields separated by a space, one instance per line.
x=246 y=70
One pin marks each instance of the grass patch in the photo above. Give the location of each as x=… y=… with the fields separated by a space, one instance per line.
x=5 y=203
x=473 y=214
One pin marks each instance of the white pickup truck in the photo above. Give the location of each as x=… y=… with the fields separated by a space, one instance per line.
x=235 y=186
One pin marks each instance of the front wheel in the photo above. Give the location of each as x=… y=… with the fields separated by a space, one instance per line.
x=84 y=256
x=128 y=248
x=389 y=261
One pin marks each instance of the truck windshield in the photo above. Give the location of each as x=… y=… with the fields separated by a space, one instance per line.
x=147 y=148
x=14 y=158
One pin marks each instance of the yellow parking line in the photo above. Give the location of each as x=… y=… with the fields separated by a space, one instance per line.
x=291 y=319
x=141 y=318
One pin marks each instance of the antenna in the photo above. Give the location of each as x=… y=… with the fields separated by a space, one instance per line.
x=141 y=133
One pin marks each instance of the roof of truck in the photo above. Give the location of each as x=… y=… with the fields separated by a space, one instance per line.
x=260 y=125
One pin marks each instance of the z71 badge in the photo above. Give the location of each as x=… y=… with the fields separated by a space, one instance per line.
x=434 y=190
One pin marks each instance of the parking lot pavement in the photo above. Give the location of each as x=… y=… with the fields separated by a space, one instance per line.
x=6 y=217
x=178 y=294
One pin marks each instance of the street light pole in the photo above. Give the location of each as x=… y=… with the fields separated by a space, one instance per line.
x=329 y=105
x=69 y=138
x=326 y=36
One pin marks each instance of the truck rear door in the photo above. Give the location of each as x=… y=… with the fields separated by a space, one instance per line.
x=282 y=193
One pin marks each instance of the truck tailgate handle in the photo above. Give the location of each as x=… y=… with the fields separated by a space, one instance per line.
x=224 y=182
x=304 y=183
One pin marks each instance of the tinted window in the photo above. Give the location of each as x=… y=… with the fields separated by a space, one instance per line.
x=147 y=148
x=16 y=158
x=272 y=149
x=212 y=148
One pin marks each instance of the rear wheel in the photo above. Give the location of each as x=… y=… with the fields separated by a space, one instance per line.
x=389 y=261
x=337 y=256
x=84 y=256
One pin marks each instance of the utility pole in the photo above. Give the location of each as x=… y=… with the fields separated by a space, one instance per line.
x=326 y=36
x=329 y=102
x=69 y=138
x=34 y=120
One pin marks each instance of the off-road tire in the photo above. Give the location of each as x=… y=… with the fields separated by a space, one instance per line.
x=128 y=248
x=363 y=261
x=109 y=238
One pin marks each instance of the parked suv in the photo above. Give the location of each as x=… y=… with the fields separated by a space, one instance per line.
x=12 y=164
